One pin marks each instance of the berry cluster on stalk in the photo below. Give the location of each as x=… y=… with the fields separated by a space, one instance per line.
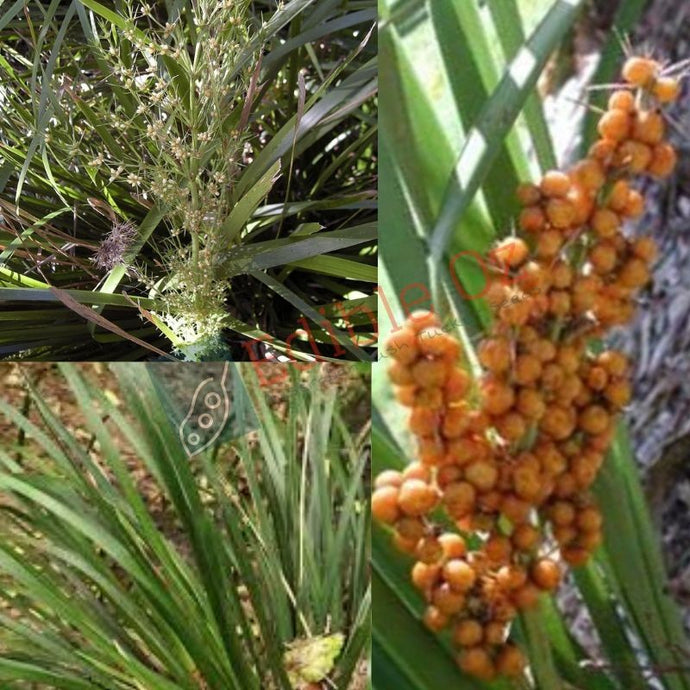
x=499 y=498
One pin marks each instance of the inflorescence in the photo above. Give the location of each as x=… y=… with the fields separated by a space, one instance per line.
x=499 y=496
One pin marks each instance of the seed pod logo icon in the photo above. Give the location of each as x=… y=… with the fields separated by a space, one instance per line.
x=208 y=414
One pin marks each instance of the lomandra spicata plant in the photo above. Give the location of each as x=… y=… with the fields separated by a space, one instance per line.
x=498 y=500
x=193 y=164
x=125 y=564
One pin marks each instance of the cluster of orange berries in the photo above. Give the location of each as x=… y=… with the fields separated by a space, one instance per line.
x=509 y=459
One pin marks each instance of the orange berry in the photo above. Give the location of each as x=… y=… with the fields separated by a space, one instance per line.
x=618 y=393
x=457 y=385
x=528 y=194
x=594 y=419
x=634 y=206
x=666 y=89
x=511 y=576
x=614 y=125
x=546 y=574
x=543 y=349
x=560 y=212
x=530 y=403
x=526 y=537
x=565 y=536
x=448 y=601
x=515 y=509
x=446 y=474
x=531 y=278
x=558 y=422
x=406 y=546
x=419 y=470
x=516 y=310
x=597 y=378
x=425 y=576
x=453 y=545
x=527 y=335
x=549 y=244
x=406 y=395
x=561 y=275
x=603 y=258
x=495 y=354
x=618 y=196
x=552 y=377
x=434 y=342
x=423 y=421
x=562 y=513
x=497 y=397
x=429 y=398
x=554 y=183
x=568 y=358
x=511 y=251
x=511 y=426
x=463 y=450
x=640 y=71
x=527 y=482
x=384 y=504
x=590 y=541
x=590 y=174
x=575 y=556
x=388 y=478
x=551 y=459
x=645 y=248
x=468 y=633
x=663 y=160
x=589 y=519
x=495 y=633
x=582 y=201
x=435 y=619
x=428 y=550
x=605 y=222
x=648 y=127
x=416 y=497
x=527 y=369
x=532 y=219
x=603 y=149
x=429 y=373
x=482 y=475
x=459 y=499
x=410 y=529
x=498 y=549
x=420 y=319
x=615 y=362
x=633 y=155
x=511 y=662
x=559 y=302
x=527 y=597
x=634 y=273
x=455 y=423
x=496 y=294
x=476 y=661
x=622 y=100
x=459 y=574
x=430 y=450
x=400 y=374
x=402 y=345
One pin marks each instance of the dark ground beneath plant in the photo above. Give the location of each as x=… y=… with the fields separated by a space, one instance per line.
x=658 y=341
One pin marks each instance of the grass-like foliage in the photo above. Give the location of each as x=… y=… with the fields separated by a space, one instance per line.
x=188 y=177
x=124 y=564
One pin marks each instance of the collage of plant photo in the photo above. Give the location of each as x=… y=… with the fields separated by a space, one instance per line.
x=248 y=442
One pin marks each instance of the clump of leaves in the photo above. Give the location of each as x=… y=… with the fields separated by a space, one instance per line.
x=237 y=138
